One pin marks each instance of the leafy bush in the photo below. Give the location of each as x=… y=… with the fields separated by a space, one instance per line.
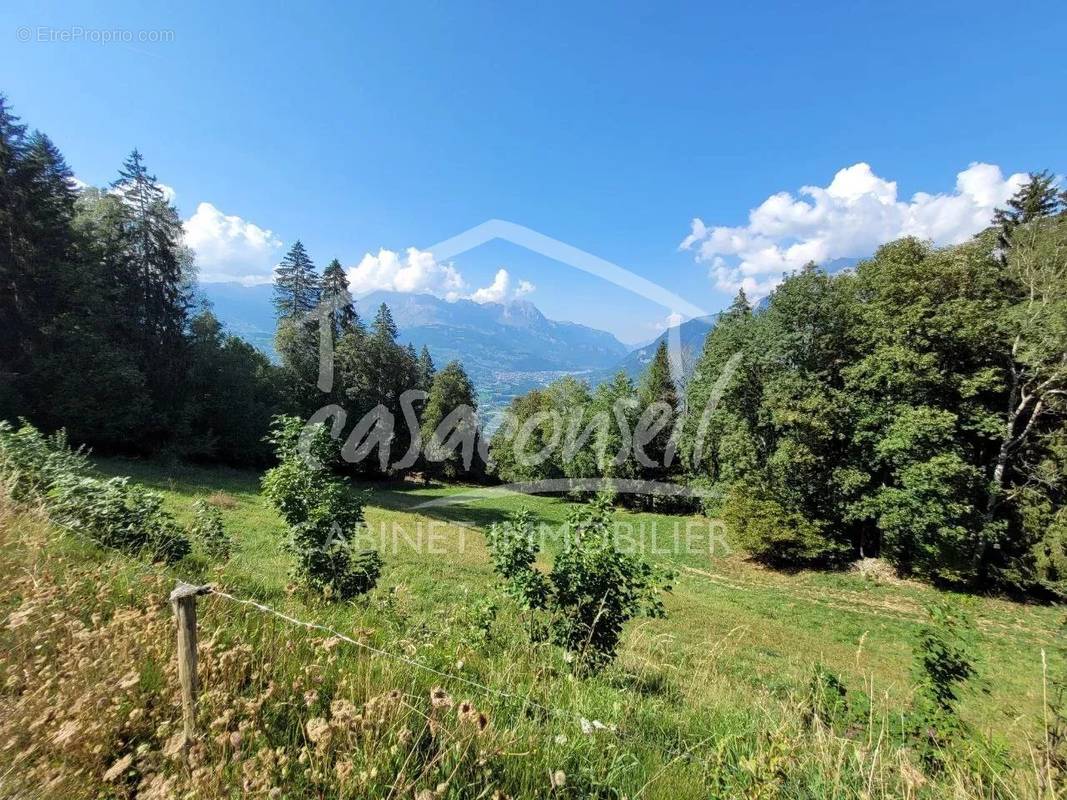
x=322 y=515
x=30 y=461
x=593 y=590
x=943 y=663
x=596 y=589
x=764 y=528
x=208 y=529
x=513 y=549
x=118 y=514
x=113 y=513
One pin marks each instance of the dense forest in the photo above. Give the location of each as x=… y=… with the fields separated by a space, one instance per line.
x=105 y=334
x=914 y=408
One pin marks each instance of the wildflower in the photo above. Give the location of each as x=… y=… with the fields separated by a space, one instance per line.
x=559 y=779
x=318 y=730
x=439 y=698
x=342 y=712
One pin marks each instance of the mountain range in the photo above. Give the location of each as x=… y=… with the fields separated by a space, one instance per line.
x=506 y=348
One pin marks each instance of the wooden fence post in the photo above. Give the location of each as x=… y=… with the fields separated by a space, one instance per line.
x=183 y=601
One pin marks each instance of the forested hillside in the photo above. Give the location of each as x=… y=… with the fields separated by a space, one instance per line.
x=106 y=335
x=912 y=409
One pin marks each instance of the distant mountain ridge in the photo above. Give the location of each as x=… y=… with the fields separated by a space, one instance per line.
x=506 y=348
x=512 y=336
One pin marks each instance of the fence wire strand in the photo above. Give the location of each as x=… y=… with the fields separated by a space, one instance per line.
x=315 y=626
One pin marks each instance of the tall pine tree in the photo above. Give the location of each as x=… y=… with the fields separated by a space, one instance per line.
x=338 y=299
x=1036 y=198
x=658 y=399
x=296 y=285
x=425 y=369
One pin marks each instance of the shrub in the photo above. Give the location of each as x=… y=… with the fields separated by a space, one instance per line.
x=30 y=461
x=593 y=589
x=596 y=589
x=943 y=663
x=766 y=530
x=115 y=513
x=322 y=514
x=208 y=529
x=513 y=549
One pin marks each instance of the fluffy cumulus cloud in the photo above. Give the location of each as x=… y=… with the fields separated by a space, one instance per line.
x=417 y=270
x=500 y=290
x=229 y=248
x=849 y=218
x=413 y=270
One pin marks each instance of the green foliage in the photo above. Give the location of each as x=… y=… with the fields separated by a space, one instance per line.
x=450 y=425
x=771 y=532
x=118 y=514
x=826 y=699
x=31 y=462
x=655 y=444
x=513 y=548
x=944 y=656
x=96 y=314
x=296 y=286
x=593 y=590
x=913 y=409
x=208 y=529
x=322 y=514
x=35 y=468
x=597 y=589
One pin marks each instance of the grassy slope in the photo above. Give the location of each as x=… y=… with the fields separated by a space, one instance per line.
x=728 y=620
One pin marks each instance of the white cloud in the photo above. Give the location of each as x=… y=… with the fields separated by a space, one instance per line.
x=413 y=271
x=417 y=271
x=672 y=320
x=500 y=291
x=851 y=217
x=229 y=248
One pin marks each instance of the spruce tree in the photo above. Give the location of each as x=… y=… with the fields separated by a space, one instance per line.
x=158 y=270
x=425 y=369
x=1036 y=198
x=384 y=328
x=338 y=299
x=657 y=387
x=296 y=285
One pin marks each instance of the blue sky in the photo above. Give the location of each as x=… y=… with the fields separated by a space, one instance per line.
x=608 y=127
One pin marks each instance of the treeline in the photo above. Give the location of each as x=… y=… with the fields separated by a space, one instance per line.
x=913 y=409
x=104 y=332
x=399 y=412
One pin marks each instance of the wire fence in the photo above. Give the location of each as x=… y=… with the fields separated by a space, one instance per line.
x=410 y=662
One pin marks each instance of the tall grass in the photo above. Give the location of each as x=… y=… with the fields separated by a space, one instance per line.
x=89 y=705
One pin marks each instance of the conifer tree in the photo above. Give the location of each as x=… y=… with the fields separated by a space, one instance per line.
x=296 y=285
x=336 y=296
x=153 y=236
x=425 y=369
x=1036 y=198
x=158 y=273
x=658 y=401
